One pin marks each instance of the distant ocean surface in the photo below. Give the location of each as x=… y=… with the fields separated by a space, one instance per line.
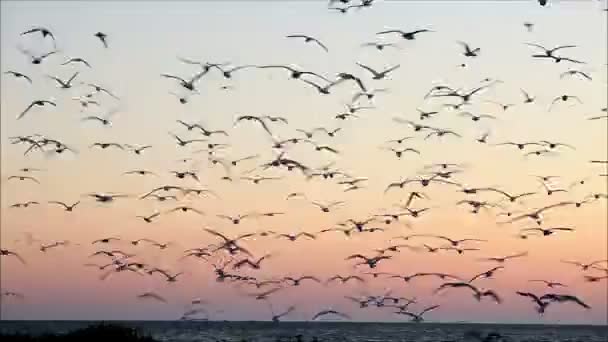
x=325 y=331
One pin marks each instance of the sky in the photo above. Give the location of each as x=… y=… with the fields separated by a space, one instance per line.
x=145 y=40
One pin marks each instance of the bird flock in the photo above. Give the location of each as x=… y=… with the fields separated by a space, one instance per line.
x=393 y=234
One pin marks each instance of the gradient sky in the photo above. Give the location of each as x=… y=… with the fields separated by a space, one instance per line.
x=146 y=37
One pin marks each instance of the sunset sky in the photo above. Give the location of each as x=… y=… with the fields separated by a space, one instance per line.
x=145 y=39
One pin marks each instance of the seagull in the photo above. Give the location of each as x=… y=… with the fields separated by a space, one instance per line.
x=67 y=207
x=487 y=274
x=308 y=39
x=188 y=84
x=100 y=89
x=104 y=146
x=76 y=60
x=44 y=31
x=149 y=218
x=230 y=244
x=475 y=117
x=23 y=205
x=379 y=75
x=417 y=317
x=295 y=74
x=102 y=37
x=36 y=60
x=169 y=277
x=536 y=214
x=326 y=207
x=255 y=264
x=501 y=260
x=254 y=119
x=370 y=262
x=584 y=266
x=277 y=317
x=379 y=46
x=294 y=237
x=181 y=142
x=297 y=281
x=564 y=98
x=551 y=284
x=345 y=279
x=548 y=231
x=561 y=298
x=468 y=51
x=549 y=53
x=151 y=295
x=18 y=75
x=105 y=198
x=575 y=73
x=405 y=35
x=6 y=252
x=527 y=97
x=329 y=312
x=22 y=178
x=38 y=103
x=185 y=209
x=65 y=84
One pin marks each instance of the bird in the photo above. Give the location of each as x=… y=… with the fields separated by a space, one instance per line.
x=105 y=145
x=549 y=53
x=405 y=35
x=323 y=313
x=181 y=142
x=502 y=260
x=277 y=317
x=550 y=284
x=6 y=252
x=584 y=266
x=185 y=209
x=253 y=119
x=76 y=60
x=151 y=295
x=17 y=74
x=106 y=198
x=564 y=98
x=325 y=207
x=67 y=207
x=370 y=262
x=149 y=218
x=37 y=59
x=561 y=298
x=39 y=103
x=297 y=280
x=379 y=46
x=294 y=73
x=171 y=278
x=22 y=178
x=468 y=51
x=575 y=73
x=418 y=317
x=379 y=75
x=45 y=32
x=309 y=39
x=65 y=84
x=293 y=237
x=475 y=117
x=253 y=264
x=548 y=231
x=487 y=274
x=344 y=279
x=102 y=37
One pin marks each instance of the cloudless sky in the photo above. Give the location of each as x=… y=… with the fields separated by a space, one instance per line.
x=145 y=39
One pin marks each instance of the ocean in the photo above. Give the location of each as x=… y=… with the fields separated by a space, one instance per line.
x=179 y=331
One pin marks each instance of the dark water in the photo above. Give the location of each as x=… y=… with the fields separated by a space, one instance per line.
x=330 y=332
